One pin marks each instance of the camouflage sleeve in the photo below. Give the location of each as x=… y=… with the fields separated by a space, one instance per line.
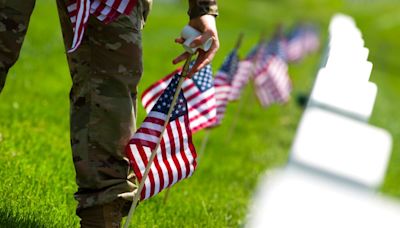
x=198 y=8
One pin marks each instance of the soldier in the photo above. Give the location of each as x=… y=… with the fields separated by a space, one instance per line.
x=105 y=72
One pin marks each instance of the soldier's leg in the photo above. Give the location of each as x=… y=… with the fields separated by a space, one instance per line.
x=105 y=72
x=14 y=20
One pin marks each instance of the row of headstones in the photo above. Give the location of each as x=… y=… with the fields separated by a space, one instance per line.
x=337 y=160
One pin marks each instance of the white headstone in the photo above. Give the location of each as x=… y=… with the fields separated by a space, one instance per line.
x=342 y=146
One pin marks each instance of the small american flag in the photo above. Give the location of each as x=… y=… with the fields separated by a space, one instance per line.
x=311 y=39
x=176 y=156
x=222 y=82
x=104 y=10
x=199 y=92
x=295 y=48
x=272 y=82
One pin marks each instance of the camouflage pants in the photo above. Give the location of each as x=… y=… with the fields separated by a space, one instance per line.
x=105 y=71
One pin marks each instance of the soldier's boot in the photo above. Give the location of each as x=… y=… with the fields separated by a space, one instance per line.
x=104 y=216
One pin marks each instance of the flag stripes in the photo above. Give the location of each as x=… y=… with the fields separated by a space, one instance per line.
x=104 y=10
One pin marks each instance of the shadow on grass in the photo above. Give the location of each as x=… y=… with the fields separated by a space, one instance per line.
x=10 y=220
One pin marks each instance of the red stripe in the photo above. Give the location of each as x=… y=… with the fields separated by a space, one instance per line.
x=155 y=120
x=116 y=4
x=182 y=146
x=152 y=183
x=160 y=174
x=143 y=143
x=143 y=193
x=149 y=132
x=130 y=7
x=188 y=87
x=98 y=10
x=133 y=162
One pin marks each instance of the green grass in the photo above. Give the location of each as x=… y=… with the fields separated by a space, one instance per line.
x=36 y=166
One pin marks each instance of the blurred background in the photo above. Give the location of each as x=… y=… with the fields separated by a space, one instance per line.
x=35 y=160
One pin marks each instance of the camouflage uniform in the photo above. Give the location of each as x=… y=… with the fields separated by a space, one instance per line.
x=105 y=71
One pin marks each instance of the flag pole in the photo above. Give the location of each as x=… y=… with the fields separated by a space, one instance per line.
x=154 y=152
x=242 y=101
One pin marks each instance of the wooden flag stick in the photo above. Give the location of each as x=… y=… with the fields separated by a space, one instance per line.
x=154 y=152
x=239 y=41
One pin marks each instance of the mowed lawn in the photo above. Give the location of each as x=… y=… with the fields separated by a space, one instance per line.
x=36 y=170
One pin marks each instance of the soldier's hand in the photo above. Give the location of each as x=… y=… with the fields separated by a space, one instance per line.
x=207 y=26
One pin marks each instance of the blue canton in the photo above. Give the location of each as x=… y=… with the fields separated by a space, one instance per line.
x=275 y=47
x=164 y=101
x=230 y=64
x=203 y=78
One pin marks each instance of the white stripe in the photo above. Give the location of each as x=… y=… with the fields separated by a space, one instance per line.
x=146 y=137
x=178 y=148
x=122 y=6
x=147 y=184
x=156 y=177
x=158 y=115
x=164 y=169
x=152 y=126
x=138 y=159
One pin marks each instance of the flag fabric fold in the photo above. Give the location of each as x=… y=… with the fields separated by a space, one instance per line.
x=104 y=10
x=176 y=156
x=199 y=92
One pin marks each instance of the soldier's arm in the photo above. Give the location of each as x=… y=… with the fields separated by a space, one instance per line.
x=199 y=8
x=202 y=15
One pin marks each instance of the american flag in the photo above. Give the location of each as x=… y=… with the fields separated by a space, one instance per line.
x=311 y=39
x=199 y=92
x=222 y=83
x=176 y=156
x=104 y=10
x=295 y=48
x=272 y=82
